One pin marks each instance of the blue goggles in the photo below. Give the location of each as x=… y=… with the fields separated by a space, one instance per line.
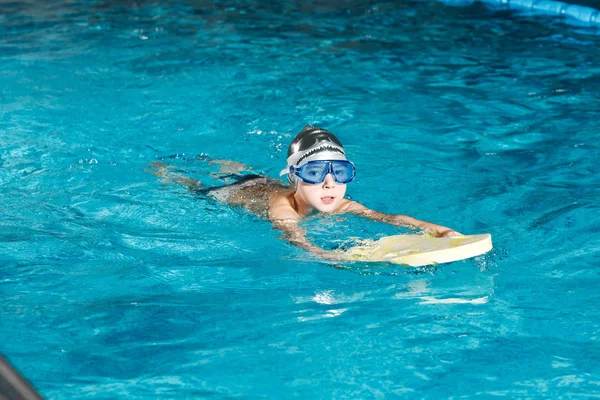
x=314 y=172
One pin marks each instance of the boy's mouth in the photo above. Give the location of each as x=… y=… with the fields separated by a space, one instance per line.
x=327 y=199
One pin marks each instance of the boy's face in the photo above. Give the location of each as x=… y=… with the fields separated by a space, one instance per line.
x=324 y=196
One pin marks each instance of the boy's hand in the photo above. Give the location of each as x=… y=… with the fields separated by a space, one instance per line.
x=441 y=231
x=451 y=233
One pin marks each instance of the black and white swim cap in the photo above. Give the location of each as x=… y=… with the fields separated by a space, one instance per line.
x=312 y=144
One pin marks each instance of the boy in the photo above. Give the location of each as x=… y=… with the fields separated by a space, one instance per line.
x=318 y=172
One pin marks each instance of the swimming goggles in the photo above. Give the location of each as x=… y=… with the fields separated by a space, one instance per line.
x=314 y=172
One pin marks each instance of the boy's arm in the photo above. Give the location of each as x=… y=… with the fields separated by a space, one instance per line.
x=285 y=218
x=352 y=207
x=294 y=234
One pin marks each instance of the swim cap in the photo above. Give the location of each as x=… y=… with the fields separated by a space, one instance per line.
x=312 y=144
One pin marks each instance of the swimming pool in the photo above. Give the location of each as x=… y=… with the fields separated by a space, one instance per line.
x=117 y=286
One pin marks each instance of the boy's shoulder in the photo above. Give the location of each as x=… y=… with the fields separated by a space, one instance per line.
x=349 y=206
x=281 y=206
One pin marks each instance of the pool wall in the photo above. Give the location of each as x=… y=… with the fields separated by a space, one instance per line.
x=572 y=14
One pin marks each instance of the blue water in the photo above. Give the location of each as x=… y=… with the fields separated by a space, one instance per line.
x=115 y=285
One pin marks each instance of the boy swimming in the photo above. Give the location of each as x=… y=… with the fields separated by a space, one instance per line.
x=318 y=172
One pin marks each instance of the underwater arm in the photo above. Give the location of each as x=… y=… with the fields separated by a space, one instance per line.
x=355 y=208
x=285 y=218
x=294 y=234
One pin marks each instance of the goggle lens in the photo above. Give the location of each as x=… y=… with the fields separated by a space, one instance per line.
x=314 y=172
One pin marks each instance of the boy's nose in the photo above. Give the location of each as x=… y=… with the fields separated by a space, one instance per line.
x=329 y=182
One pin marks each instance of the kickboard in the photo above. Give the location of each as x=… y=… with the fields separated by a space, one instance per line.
x=416 y=251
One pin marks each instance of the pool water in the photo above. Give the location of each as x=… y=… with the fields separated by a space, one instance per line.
x=116 y=285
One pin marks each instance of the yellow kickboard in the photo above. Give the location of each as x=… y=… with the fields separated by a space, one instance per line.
x=416 y=251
